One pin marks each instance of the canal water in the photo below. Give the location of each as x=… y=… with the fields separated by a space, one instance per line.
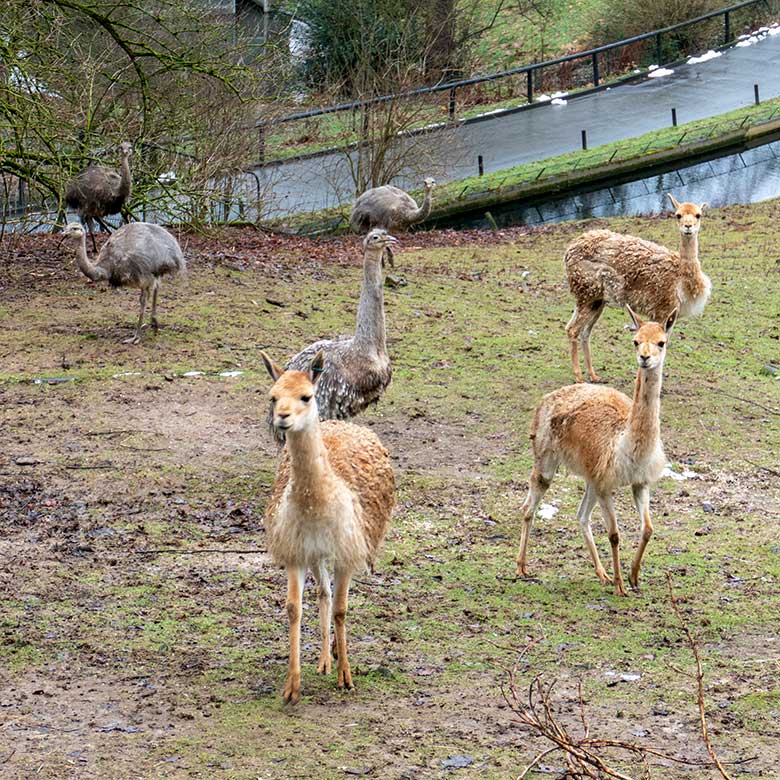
x=748 y=177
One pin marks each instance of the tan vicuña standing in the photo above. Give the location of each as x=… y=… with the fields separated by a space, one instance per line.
x=609 y=440
x=329 y=509
x=611 y=269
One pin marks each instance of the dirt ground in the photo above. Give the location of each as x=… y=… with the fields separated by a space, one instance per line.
x=142 y=624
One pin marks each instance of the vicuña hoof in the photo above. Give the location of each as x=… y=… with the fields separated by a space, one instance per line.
x=325 y=664
x=292 y=691
x=133 y=340
x=345 y=679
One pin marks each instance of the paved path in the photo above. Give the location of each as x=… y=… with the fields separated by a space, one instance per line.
x=696 y=91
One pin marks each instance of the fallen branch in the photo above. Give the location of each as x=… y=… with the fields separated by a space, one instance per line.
x=172 y=551
x=699 y=679
x=750 y=401
x=774 y=472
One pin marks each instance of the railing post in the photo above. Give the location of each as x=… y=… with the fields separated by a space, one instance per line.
x=674 y=117
x=584 y=139
x=755 y=93
x=530 y=86
x=658 y=49
x=726 y=28
x=480 y=165
x=595 y=58
x=452 y=105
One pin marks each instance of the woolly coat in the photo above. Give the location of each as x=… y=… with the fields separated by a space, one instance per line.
x=618 y=269
x=339 y=519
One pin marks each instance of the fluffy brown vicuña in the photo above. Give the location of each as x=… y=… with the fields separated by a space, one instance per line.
x=609 y=440
x=329 y=509
x=612 y=269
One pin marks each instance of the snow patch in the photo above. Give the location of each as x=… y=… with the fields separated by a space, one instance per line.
x=167 y=178
x=193 y=373
x=660 y=73
x=547 y=511
x=543 y=99
x=230 y=373
x=558 y=102
x=678 y=476
x=709 y=55
x=126 y=373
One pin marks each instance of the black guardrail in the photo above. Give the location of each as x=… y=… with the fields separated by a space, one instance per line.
x=530 y=70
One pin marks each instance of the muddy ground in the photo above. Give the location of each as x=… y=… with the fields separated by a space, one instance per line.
x=142 y=626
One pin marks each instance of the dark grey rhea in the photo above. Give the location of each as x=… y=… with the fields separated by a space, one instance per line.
x=357 y=368
x=99 y=191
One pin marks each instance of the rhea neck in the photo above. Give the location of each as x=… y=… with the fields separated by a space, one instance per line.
x=311 y=472
x=370 y=326
x=124 y=167
x=94 y=272
x=643 y=420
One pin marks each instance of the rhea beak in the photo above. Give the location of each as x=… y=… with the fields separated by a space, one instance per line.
x=388 y=253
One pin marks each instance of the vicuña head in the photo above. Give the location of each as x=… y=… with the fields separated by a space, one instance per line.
x=293 y=403
x=688 y=215
x=650 y=339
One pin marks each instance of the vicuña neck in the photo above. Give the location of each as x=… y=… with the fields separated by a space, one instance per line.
x=370 y=326
x=311 y=471
x=644 y=419
x=689 y=247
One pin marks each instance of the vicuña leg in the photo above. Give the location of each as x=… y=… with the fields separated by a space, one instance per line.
x=583 y=516
x=585 y=341
x=578 y=330
x=608 y=509
x=325 y=602
x=295 y=579
x=538 y=483
x=339 y=618
x=135 y=339
x=642 y=502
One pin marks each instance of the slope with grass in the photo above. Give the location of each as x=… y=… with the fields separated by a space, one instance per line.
x=143 y=627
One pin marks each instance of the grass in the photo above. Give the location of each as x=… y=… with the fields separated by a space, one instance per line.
x=189 y=646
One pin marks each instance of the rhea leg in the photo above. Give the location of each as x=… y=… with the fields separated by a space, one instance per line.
x=585 y=341
x=608 y=509
x=642 y=503
x=325 y=602
x=538 y=484
x=295 y=578
x=88 y=222
x=582 y=320
x=583 y=516
x=155 y=288
x=135 y=339
x=104 y=225
x=339 y=619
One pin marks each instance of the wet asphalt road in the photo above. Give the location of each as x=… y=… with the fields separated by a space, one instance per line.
x=697 y=91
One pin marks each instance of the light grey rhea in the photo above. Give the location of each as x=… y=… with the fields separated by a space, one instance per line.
x=136 y=255
x=357 y=368
x=390 y=208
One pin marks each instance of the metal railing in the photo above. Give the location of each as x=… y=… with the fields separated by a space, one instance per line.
x=596 y=68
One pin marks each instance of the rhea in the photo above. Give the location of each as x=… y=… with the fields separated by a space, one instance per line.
x=136 y=255
x=328 y=511
x=610 y=441
x=357 y=368
x=99 y=191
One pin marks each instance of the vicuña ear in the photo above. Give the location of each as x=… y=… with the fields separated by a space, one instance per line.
x=670 y=320
x=637 y=322
x=674 y=200
x=271 y=367
x=317 y=367
x=703 y=206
